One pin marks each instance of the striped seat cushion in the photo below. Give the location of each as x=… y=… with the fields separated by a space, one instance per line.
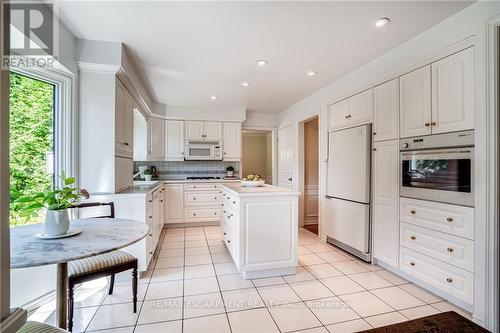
x=36 y=327
x=98 y=262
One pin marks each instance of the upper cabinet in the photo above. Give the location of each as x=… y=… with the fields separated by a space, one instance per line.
x=355 y=110
x=124 y=121
x=453 y=92
x=174 y=140
x=232 y=141
x=203 y=130
x=386 y=111
x=156 y=138
x=415 y=102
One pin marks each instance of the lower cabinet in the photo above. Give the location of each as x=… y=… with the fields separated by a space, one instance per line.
x=174 y=203
x=202 y=203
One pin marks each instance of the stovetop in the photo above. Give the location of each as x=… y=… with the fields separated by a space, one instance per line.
x=202 y=178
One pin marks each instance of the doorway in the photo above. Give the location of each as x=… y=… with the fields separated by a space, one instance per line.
x=311 y=174
x=258 y=154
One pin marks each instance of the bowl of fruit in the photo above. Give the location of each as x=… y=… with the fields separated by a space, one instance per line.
x=252 y=181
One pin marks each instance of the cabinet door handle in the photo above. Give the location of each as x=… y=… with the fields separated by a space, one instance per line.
x=433 y=123
x=225 y=233
x=449 y=219
x=412 y=263
x=194 y=198
x=125 y=143
x=374 y=149
x=427 y=124
x=374 y=133
x=413 y=212
x=194 y=214
x=234 y=202
x=413 y=238
x=229 y=241
x=150 y=217
x=346 y=117
x=449 y=280
x=450 y=249
x=215 y=213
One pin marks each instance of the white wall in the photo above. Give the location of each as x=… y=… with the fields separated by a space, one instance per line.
x=261 y=119
x=203 y=113
x=469 y=22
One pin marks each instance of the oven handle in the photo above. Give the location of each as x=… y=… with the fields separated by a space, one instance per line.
x=424 y=153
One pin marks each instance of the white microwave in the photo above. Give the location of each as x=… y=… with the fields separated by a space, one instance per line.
x=203 y=151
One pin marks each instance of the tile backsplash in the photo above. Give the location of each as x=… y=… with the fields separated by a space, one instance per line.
x=181 y=170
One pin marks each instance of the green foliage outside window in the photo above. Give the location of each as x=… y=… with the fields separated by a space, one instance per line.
x=31 y=137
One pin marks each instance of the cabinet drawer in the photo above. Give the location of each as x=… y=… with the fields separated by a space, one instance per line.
x=450 y=279
x=452 y=219
x=202 y=215
x=450 y=249
x=229 y=200
x=202 y=199
x=202 y=187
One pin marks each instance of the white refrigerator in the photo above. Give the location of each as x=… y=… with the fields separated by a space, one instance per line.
x=348 y=190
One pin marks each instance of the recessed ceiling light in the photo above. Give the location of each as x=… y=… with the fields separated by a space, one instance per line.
x=213 y=97
x=261 y=62
x=311 y=73
x=244 y=84
x=381 y=22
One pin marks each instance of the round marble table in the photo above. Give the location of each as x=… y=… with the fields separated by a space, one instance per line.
x=98 y=236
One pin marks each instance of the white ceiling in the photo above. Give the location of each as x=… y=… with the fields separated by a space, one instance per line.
x=192 y=50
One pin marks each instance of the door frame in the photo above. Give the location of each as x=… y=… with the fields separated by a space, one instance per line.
x=274 y=148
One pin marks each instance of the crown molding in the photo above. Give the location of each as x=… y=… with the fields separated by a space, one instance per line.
x=99 y=68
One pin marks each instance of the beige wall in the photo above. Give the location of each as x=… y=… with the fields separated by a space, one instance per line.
x=257 y=154
x=311 y=146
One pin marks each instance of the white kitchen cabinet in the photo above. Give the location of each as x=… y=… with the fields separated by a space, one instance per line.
x=338 y=116
x=174 y=203
x=355 y=110
x=213 y=131
x=385 y=202
x=202 y=202
x=386 y=111
x=232 y=141
x=195 y=130
x=161 y=198
x=156 y=138
x=453 y=92
x=174 y=140
x=155 y=216
x=415 y=103
x=124 y=121
x=124 y=169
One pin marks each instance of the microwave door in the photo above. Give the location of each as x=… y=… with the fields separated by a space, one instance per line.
x=199 y=153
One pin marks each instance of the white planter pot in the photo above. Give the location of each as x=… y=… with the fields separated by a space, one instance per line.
x=56 y=222
x=148 y=177
x=230 y=173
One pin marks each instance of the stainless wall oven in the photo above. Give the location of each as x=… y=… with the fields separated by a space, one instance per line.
x=439 y=168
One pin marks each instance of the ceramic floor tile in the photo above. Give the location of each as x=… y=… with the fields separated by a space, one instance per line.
x=234 y=281
x=310 y=259
x=129 y=329
x=195 y=231
x=198 y=243
x=111 y=316
x=349 y=326
x=445 y=306
x=318 y=248
x=252 y=321
x=268 y=281
x=198 y=271
x=279 y=294
x=81 y=318
x=323 y=271
x=199 y=237
x=221 y=257
x=166 y=327
x=218 y=249
x=167 y=274
x=225 y=268
x=193 y=251
x=175 y=231
x=164 y=290
x=167 y=253
x=160 y=310
x=203 y=305
x=420 y=293
x=314 y=330
x=200 y=286
x=173 y=238
x=391 y=277
x=341 y=285
x=386 y=319
x=172 y=245
x=418 y=312
x=366 y=304
x=369 y=266
x=331 y=310
x=397 y=298
x=94 y=297
x=349 y=267
x=301 y=275
x=210 y=324
x=293 y=317
x=301 y=250
x=309 y=290
x=169 y=262
x=308 y=241
x=370 y=280
x=201 y=259
x=333 y=256
x=242 y=299
x=123 y=294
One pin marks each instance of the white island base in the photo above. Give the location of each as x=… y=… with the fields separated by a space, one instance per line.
x=260 y=227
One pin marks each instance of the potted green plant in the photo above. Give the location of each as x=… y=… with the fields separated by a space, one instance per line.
x=57 y=202
x=229 y=171
x=148 y=174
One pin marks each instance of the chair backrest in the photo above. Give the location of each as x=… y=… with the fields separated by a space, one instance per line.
x=98 y=204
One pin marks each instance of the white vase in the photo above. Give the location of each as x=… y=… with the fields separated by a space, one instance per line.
x=56 y=222
x=148 y=177
x=230 y=173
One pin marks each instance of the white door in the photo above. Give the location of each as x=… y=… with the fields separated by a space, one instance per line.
x=194 y=130
x=232 y=141
x=213 y=131
x=285 y=157
x=174 y=203
x=156 y=138
x=385 y=221
x=386 y=111
x=361 y=108
x=338 y=115
x=453 y=92
x=415 y=102
x=174 y=140
x=128 y=123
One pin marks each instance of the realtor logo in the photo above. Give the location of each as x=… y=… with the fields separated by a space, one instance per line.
x=33 y=31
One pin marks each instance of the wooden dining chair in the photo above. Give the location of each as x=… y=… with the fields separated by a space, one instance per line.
x=102 y=265
x=36 y=327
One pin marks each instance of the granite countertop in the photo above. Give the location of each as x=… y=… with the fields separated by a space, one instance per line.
x=145 y=189
x=266 y=190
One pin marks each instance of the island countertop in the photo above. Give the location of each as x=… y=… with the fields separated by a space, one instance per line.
x=266 y=190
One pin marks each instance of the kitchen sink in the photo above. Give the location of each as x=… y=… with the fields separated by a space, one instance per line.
x=145 y=182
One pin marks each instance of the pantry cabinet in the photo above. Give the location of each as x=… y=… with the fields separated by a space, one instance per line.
x=174 y=203
x=156 y=138
x=355 y=110
x=174 y=140
x=386 y=111
x=232 y=141
x=203 y=130
x=124 y=121
x=385 y=201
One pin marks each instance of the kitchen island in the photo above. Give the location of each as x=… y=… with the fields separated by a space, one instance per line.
x=260 y=226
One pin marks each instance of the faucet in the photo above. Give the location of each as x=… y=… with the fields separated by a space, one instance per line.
x=135 y=175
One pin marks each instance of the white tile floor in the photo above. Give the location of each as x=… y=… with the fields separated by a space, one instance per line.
x=193 y=286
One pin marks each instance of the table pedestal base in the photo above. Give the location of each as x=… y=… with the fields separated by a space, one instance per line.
x=62 y=295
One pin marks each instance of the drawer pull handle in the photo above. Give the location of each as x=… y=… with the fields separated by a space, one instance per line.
x=234 y=202
x=449 y=280
x=412 y=263
x=150 y=252
x=194 y=198
x=450 y=249
x=449 y=219
x=150 y=235
x=413 y=212
x=229 y=241
x=215 y=213
x=413 y=237
x=150 y=217
x=194 y=214
x=215 y=198
x=223 y=194
x=225 y=233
